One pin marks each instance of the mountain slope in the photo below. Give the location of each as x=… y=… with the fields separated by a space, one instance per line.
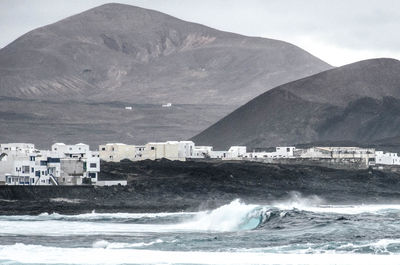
x=71 y=80
x=120 y=52
x=359 y=102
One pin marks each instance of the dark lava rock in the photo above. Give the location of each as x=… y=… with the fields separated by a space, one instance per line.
x=159 y=186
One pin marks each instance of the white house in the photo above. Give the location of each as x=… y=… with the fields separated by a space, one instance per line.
x=280 y=152
x=115 y=152
x=78 y=164
x=202 y=151
x=235 y=152
x=21 y=164
x=73 y=151
x=172 y=150
x=386 y=158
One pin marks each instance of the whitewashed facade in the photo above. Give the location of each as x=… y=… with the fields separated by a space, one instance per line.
x=280 y=152
x=202 y=151
x=21 y=164
x=115 y=152
x=386 y=158
x=172 y=150
x=78 y=164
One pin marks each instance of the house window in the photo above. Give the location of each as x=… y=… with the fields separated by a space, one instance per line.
x=103 y=149
x=152 y=148
x=93 y=165
x=92 y=175
x=25 y=169
x=32 y=170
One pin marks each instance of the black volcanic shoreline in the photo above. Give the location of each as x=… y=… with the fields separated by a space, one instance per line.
x=170 y=186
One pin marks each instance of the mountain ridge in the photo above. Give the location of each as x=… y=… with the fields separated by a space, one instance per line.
x=69 y=56
x=358 y=102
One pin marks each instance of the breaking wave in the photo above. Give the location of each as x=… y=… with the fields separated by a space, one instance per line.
x=235 y=216
x=299 y=230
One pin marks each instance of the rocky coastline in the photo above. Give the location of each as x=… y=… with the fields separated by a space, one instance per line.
x=171 y=186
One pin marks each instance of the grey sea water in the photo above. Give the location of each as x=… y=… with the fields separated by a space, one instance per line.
x=292 y=232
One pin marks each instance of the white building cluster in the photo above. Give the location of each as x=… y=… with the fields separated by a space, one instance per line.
x=368 y=156
x=22 y=164
x=172 y=150
x=183 y=150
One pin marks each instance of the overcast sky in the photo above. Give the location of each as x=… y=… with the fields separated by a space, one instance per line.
x=338 y=32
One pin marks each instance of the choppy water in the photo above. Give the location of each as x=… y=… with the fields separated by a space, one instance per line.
x=301 y=231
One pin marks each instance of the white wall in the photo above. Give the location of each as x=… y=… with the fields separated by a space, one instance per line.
x=383 y=158
x=111 y=182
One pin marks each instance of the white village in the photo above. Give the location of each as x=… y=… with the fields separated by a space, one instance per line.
x=23 y=164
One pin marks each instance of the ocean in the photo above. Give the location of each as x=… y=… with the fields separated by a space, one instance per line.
x=296 y=231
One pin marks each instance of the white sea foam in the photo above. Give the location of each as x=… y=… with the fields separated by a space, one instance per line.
x=118 y=245
x=378 y=247
x=316 y=204
x=20 y=254
x=93 y=216
x=381 y=246
x=342 y=209
x=67 y=200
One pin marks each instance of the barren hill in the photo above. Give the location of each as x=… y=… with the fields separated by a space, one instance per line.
x=359 y=102
x=121 y=52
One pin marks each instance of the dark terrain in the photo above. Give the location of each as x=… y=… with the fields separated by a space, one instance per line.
x=160 y=186
x=358 y=103
x=135 y=56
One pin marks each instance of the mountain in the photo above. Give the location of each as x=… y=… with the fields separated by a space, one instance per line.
x=71 y=80
x=358 y=103
x=120 y=52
